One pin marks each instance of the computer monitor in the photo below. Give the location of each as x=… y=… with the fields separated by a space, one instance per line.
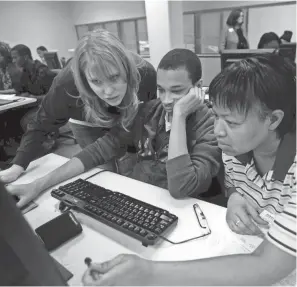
x=52 y=60
x=230 y=56
x=288 y=50
x=23 y=259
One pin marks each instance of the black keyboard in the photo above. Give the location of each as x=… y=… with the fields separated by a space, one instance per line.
x=131 y=216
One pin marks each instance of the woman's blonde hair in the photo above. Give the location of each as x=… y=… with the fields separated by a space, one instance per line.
x=101 y=49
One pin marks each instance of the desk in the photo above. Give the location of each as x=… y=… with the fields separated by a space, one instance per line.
x=22 y=101
x=101 y=242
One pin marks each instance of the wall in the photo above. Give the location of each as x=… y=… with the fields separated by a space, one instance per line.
x=38 y=23
x=271 y=19
x=205 y=5
x=84 y=12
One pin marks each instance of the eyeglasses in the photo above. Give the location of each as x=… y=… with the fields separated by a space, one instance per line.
x=201 y=219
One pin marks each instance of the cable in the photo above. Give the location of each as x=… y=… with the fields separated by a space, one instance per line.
x=96 y=174
x=184 y=241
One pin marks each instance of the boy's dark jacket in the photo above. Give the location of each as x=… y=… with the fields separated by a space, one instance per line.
x=189 y=174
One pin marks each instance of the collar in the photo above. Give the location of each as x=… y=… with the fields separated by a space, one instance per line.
x=284 y=156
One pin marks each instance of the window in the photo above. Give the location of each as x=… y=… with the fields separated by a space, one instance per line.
x=133 y=33
x=210 y=30
x=128 y=35
x=81 y=30
x=144 y=47
x=189 y=33
x=112 y=27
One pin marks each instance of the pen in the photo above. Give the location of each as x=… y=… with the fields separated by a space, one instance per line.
x=201 y=217
x=93 y=273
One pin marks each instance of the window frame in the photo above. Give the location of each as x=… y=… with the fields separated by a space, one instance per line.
x=119 y=25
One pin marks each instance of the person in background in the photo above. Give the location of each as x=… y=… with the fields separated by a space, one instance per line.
x=40 y=51
x=7 y=70
x=176 y=146
x=35 y=81
x=36 y=77
x=286 y=37
x=255 y=105
x=233 y=36
x=269 y=41
x=101 y=87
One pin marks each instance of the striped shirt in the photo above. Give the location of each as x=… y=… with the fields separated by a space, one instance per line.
x=274 y=192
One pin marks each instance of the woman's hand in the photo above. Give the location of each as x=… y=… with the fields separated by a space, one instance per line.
x=241 y=216
x=11 y=174
x=25 y=192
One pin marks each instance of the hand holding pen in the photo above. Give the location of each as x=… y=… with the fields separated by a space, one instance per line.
x=93 y=273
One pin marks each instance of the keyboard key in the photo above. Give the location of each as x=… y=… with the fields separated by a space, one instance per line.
x=158 y=230
x=120 y=221
x=164 y=217
x=152 y=236
x=143 y=232
x=126 y=225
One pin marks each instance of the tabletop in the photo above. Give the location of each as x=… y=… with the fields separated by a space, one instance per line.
x=101 y=242
x=19 y=101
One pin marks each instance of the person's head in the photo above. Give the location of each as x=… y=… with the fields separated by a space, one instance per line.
x=286 y=37
x=269 y=41
x=254 y=100
x=5 y=56
x=105 y=74
x=178 y=72
x=21 y=55
x=40 y=51
x=235 y=18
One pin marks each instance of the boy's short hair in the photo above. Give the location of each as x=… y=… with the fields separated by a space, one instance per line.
x=267 y=81
x=23 y=50
x=182 y=58
x=41 y=48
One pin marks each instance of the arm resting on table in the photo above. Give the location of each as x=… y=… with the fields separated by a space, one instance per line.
x=265 y=266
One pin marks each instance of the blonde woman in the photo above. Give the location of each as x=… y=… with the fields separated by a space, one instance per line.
x=101 y=88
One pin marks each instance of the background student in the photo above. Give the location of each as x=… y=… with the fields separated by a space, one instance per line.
x=233 y=36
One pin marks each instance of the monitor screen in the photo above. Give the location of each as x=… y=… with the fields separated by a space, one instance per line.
x=23 y=259
x=288 y=50
x=52 y=60
x=231 y=56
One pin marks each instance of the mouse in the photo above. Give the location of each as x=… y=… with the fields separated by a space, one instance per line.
x=16 y=198
x=62 y=206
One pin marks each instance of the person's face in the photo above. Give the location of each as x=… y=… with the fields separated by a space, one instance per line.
x=238 y=134
x=112 y=91
x=40 y=53
x=271 y=45
x=172 y=85
x=240 y=18
x=18 y=60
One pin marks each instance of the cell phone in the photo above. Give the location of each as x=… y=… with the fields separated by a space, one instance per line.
x=59 y=230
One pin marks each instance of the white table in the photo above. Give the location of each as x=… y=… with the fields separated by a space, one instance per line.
x=22 y=101
x=101 y=242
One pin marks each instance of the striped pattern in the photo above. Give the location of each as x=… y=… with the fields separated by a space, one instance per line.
x=276 y=196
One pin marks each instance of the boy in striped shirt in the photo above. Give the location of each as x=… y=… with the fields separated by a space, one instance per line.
x=255 y=105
